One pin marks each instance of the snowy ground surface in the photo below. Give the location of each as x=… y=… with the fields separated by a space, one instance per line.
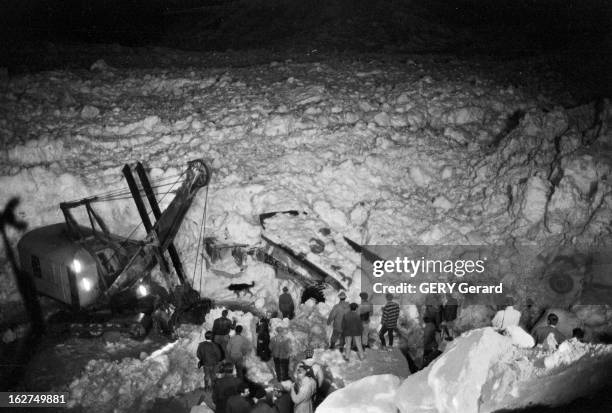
x=387 y=150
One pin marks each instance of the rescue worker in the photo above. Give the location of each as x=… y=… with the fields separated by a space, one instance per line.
x=209 y=355
x=366 y=309
x=352 y=327
x=541 y=333
x=221 y=329
x=237 y=349
x=390 y=314
x=280 y=345
x=335 y=320
x=286 y=305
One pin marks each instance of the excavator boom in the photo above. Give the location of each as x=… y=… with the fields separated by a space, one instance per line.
x=163 y=232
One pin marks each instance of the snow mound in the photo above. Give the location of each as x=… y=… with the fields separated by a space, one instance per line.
x=482 y=371
x=373 y=394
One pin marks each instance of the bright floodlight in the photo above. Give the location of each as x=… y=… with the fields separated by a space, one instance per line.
x=142 y=290
x=76 y=266
x=86 y=283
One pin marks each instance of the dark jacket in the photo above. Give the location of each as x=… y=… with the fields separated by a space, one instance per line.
x=337 y=313
x=222 y=326
x=432 y=315
x=352 y=326
x=238 y=404
x=222 y=390
x=449 y=310
x=209 y=353
x=285 y=303
x=263 y=340
x=540 y=334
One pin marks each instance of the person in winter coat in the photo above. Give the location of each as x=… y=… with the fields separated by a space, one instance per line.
x=352 y=327
x=280 y=345
x=237 y=349
x=432 y=318
x=286 y=305
x=365 y=312
x=221 y=329
x=449 y=313
x=335 y=320
x=303 y=390
x=541 y=333
x=263 y=339
x=390 y=314
x=225 y=387
x=209 y=355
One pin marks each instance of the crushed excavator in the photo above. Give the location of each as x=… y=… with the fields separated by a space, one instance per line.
x=105 y=279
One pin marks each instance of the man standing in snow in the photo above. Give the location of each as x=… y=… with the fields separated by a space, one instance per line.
x=541 y=333
x=237 y=349
x=221 y=329
x=390 y=314
x=335 y=320
x=449 y=314
x=280 y=345
x=352 y=327
x=209 y=355
x=365 y=312
x=432 y=318
x=286 y=305
x=507 y=317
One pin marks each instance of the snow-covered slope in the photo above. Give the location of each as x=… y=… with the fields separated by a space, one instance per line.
x=388 y=153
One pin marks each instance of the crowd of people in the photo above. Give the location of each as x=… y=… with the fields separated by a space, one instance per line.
x=222 y=357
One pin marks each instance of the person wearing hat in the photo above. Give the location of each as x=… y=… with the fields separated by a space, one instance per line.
x=365 y=312
x=335 y=320
x=280 y=346
x=390 y=314
x=286 y=305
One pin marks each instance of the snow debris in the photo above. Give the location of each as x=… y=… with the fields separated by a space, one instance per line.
x=520 y=337
x=481 y=371
x=373 y=394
